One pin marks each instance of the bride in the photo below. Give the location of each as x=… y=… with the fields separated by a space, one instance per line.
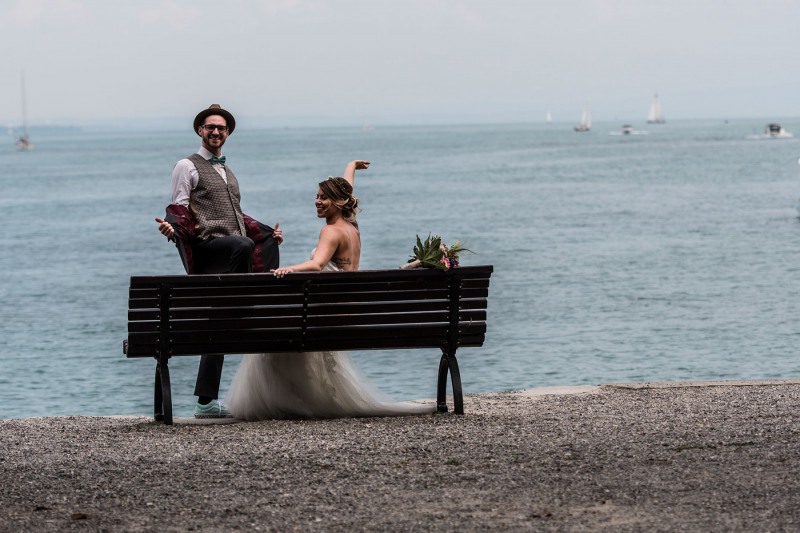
x=317 y=384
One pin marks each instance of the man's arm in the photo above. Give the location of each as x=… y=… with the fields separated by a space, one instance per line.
x=184 y=180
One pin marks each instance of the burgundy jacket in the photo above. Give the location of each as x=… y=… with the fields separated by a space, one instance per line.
x=265 y=254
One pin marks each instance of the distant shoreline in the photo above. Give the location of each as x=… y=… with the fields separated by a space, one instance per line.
x=179 y=124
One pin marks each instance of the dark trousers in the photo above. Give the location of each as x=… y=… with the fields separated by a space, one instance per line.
x=220 y=255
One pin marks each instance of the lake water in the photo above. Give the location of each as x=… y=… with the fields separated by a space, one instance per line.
x=668 y=256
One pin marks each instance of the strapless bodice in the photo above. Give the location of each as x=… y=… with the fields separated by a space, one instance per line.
x=330 y=266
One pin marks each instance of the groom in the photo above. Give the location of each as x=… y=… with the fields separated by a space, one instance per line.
x=212 y=234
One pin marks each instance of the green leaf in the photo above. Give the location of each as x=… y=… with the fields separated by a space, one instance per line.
x=429 y=252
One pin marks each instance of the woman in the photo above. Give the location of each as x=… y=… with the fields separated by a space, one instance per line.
x=317 y=384
x=339 y=240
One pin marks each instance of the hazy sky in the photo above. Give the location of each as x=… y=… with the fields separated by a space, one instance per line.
x=283 y=62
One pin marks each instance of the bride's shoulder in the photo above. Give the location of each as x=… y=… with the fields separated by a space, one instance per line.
x=329 y=229
x=331 y=233
x=340 y=228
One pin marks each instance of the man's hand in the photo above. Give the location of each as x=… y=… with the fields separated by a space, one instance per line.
x=277 y=233
x=165 y=228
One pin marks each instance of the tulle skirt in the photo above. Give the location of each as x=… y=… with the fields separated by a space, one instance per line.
x=309 y=385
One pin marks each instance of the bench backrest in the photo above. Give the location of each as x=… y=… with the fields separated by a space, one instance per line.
x=253 y=313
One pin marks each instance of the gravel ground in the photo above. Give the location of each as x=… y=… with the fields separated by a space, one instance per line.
x=712 y=456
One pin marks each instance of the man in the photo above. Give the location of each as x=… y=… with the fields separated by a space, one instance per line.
x=212 y=234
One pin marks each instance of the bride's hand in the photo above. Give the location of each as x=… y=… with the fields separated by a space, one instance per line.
x=280 y=272
x=360 y=164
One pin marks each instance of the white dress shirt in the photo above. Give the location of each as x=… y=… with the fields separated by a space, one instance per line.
x=185 y=177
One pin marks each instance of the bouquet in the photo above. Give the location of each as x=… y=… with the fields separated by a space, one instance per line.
x=433 y=253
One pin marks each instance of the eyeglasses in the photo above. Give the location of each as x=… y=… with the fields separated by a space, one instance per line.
x=211 y=127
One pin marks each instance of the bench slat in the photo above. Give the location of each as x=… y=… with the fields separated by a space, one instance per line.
x=431 y=294
x=221 y=301
x=243 y=300
x=259 y=299
x=247 y=321
x=281 y=339
x=380 y=286
x=365 y=331
x=465 y=272
x=135 y=315
x=284 y=289
x=273 y=346
x=404 y=318
x=335 y=333
x=217 y=312
x=261 y=346
x=392 y=307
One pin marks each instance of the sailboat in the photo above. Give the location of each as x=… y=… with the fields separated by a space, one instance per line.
x=548 y=118
x=24 y=143
x=655 y=116
x=586 y=120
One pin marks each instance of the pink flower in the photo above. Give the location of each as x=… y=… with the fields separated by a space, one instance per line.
x=446 y=262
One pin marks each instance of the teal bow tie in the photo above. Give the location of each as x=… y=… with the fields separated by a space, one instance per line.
x=220 y=160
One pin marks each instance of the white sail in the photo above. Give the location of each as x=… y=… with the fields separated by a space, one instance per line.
x=24 y=142
x=548 y=118
x=655 y=116
x=586 y=120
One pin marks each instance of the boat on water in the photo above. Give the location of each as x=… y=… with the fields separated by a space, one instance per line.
x=775 y=131
x=656 y=115
x=24 y=143
x=548 y=118
x=627 y=129
x=586 y=120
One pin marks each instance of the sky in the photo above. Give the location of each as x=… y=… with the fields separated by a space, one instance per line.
x=355 y=62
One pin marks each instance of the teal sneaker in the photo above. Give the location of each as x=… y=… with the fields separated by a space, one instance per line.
x=213 y=409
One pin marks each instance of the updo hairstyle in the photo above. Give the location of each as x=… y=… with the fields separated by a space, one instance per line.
x=340 y=193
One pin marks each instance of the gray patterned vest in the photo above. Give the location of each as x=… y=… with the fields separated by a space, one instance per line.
x=215 y=205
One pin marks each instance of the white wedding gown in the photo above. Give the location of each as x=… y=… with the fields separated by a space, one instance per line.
x=309 y=385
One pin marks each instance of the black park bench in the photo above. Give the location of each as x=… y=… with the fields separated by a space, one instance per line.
x=314 y=311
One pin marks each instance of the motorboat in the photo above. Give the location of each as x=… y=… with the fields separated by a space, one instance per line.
x=776 y=131
x=627 y=129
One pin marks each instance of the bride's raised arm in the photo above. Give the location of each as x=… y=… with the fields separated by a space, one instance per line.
x=350 y=170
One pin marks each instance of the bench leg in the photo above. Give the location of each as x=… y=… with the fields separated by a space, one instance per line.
x=449 y=363
x=441 y=388
x=163 y=394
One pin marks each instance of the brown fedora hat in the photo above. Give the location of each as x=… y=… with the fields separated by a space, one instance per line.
x=214 y=109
